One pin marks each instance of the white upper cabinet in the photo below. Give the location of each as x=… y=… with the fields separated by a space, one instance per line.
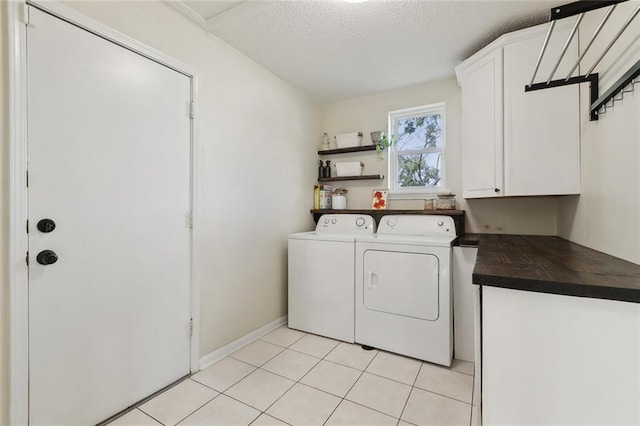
x=517 y=143
x=482 y=127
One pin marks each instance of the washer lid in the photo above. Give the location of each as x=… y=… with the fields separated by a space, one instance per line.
x=315 y=236
x=438 y=226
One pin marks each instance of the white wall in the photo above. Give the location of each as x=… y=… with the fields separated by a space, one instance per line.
x=606 y=215
x=4 y=222
x=256 y=163
x=526 y=215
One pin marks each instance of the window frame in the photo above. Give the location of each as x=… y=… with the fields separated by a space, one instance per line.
x=395 y=191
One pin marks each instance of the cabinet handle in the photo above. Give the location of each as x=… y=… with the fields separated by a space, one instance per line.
x=497 y=190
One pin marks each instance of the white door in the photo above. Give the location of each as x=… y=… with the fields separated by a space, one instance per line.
x=400 y=283
x=109 y=163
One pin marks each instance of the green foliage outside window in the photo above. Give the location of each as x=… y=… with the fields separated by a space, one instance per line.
x=419 y=169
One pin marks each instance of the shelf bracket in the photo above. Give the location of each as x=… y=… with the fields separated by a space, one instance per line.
x=579 y=7
x=627 y=79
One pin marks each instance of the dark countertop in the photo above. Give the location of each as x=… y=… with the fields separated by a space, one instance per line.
x=553 y=265
x=468 y=240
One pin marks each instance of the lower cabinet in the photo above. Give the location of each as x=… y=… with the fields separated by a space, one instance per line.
x=550 y=359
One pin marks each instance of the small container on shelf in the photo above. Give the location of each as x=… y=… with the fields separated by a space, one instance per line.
x=326 y=144
x=325 y=197
x=351 y=168
x=430 y=204
x=349 y=140
x=446 y=202
x=339 y=199
x=376 y=137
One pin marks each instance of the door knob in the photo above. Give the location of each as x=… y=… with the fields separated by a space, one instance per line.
x=46 y=225
x=47 y=257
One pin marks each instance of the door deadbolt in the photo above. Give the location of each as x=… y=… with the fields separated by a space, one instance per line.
x=47 y=257
x=46 y=225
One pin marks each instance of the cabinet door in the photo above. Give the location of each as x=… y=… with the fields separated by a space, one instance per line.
x=482 y=127
x=542 y=128
x=559 y=360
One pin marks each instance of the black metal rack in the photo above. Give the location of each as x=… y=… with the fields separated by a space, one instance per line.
x=623 y=85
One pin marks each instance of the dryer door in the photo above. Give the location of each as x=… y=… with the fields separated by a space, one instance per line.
x=401 y=283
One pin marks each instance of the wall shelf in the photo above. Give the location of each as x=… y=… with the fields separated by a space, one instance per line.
x=347 y=150
x=337 y=178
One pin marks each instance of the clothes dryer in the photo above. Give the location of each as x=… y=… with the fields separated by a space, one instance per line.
x=322 y=275
x=403 y=287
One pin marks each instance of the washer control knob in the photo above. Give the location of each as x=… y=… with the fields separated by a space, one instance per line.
x=334 y=221
x=391 y=222
x=326 y=221
x=440 y=223
x=360 y=222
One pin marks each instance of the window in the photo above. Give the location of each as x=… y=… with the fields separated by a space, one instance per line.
x=416 y=159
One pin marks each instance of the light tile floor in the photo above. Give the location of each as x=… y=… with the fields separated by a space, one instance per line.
x=295 y=378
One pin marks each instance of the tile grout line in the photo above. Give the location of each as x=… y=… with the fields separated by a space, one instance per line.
x=324 y=358
x=259 y=368
x=275 y=355
x=228 y=396
x=148 y=415
x=351 y=387
x=473 y=392
x=298 y=381
x=197 y=409
x=295 y=382
x=410 y=392
x=444 y=396
x=362 y=374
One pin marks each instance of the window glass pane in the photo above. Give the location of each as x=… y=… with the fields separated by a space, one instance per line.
x=419 y=170
x=420 y=132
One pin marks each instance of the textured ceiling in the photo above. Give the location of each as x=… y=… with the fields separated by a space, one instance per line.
x=209 y=9
x=334 y=50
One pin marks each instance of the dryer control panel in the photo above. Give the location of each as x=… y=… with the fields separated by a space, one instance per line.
x=346 y=224
x=418 y=225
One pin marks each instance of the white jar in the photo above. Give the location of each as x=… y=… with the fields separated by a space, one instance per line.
x=339 y=202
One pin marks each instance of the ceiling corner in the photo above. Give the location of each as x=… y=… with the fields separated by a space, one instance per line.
x=187 y=12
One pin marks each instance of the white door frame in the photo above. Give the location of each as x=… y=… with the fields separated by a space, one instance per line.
x=17 y=20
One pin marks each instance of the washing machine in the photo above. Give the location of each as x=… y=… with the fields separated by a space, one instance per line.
x=403 y=287
x=322 y=275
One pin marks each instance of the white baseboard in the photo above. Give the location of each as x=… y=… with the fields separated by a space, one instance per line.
x=217 y=355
